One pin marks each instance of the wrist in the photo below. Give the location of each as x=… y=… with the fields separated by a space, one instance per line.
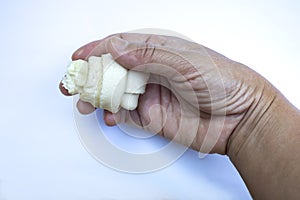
x=264 y=147
x=255 y=120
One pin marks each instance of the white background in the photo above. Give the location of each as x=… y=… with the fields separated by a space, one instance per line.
x=41 y=156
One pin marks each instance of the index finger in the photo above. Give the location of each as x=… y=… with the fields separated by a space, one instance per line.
x=98 y=47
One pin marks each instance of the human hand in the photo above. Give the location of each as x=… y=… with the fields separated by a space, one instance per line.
x=204 y=100
x=196 y=96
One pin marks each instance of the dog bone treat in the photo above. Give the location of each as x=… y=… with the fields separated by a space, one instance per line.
x=104 y=83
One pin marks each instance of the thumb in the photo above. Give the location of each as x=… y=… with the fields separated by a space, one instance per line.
x=147 y=57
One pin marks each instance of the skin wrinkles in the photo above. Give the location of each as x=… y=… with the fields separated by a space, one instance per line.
x=257 y=117
x=191 y=81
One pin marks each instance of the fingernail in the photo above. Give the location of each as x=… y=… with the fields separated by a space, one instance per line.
x=79 y=52
x=119 y=44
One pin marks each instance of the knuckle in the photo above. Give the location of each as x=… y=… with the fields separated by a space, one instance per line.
x=146 y=52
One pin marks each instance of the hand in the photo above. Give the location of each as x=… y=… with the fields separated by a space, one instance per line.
x=202 y=99
x=193 y=87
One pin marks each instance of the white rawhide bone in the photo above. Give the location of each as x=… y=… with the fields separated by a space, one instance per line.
x=104 y=83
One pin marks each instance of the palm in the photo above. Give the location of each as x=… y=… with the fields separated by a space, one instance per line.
x=161 y=111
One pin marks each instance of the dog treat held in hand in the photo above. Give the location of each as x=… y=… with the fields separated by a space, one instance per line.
x=104 y=83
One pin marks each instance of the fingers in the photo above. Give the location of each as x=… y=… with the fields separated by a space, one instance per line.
x=148 y=57
x=85 y=107
x=134 y=50
x=109 y=118
x=97 y=48
x=91 y=49
x=122 y=116
x=149 y=53
x=146 y=116
x=63 y=90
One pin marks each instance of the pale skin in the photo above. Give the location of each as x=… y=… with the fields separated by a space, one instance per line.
x=260 y=129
